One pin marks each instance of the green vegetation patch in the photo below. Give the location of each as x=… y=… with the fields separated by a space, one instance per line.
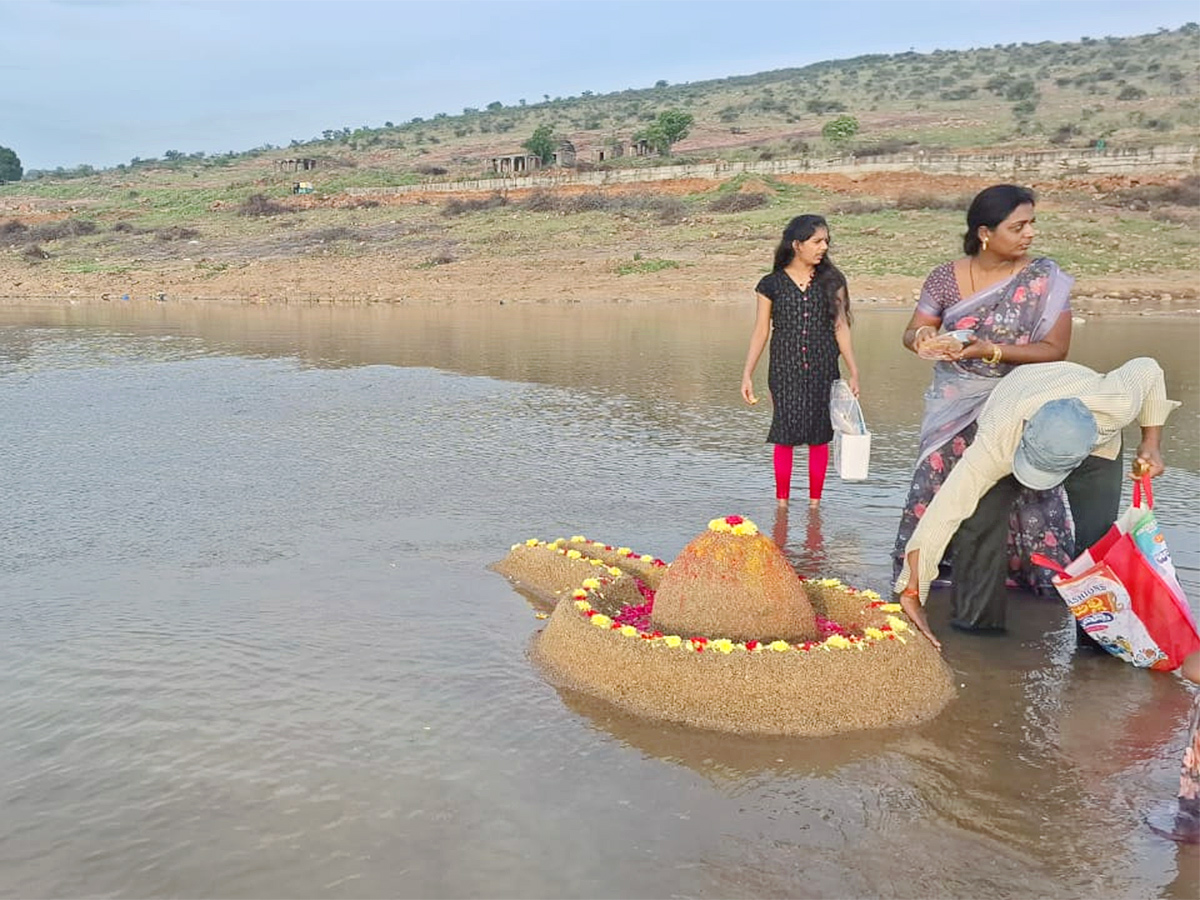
x=644 y=266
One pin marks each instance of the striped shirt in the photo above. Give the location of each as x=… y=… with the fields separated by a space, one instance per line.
x=1135 y=391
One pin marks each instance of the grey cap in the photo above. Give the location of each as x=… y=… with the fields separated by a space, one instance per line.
x=1056 y=439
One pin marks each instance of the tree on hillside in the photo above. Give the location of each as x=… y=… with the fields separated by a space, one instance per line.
x=541 y=143
x=841 y=130
x=10 y=165
x=671 y=127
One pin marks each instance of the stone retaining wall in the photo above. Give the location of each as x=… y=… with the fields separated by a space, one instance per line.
x=1015 y=167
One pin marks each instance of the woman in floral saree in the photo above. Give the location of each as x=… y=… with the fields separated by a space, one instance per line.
x=1018 y=310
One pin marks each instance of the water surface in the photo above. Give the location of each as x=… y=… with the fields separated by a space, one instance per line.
x=253 y=649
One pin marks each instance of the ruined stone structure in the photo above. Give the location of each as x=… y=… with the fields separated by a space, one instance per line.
x=295 y=165
x=523 y=163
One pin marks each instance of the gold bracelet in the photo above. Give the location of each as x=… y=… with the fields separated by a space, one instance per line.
x=996 y=356
x=917 y=334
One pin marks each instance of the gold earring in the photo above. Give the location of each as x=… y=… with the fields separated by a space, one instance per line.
x=985 y=243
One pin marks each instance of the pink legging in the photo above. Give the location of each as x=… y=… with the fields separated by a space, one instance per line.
x=818 y=462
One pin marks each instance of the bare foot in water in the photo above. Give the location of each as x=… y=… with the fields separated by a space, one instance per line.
x=781 y=502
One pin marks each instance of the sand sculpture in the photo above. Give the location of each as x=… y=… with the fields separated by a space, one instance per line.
x=727 y=637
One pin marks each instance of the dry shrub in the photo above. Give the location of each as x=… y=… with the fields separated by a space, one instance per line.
x=670 y=210
x=541 y=201
x=888 y=147
x=260 y=205
x=12 y=228
x=336 y=233
x=457 y=207
x=1184 y=192
x=593 y=201
x=34 y=253
x=54 y=231
x=1177 y=215
x=735 y=201
x=362 y=203
x=176 y=233
x=430 y=170
x=126 y=228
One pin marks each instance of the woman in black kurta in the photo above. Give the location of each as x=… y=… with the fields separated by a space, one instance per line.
x=804 y=307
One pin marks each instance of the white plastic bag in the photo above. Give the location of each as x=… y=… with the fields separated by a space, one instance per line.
x=844 y=410
x=851 y=441
x=852 y=455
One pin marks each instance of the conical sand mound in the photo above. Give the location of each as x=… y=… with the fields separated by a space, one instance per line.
x=737 y=585
x=608 y=637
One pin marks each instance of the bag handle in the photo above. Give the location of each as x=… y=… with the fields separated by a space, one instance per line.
x=1046 y=562
x=1143 y=484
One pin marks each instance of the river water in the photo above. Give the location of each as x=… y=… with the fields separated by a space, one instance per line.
x=252 y=647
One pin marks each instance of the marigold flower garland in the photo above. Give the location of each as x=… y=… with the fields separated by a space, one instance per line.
x=634 y=621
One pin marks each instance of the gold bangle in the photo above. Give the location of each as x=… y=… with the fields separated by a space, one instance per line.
x=997 y=355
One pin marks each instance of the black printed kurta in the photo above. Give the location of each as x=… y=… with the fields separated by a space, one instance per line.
x=804 y=361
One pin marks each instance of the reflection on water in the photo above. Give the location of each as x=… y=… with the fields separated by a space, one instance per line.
x=253 y=649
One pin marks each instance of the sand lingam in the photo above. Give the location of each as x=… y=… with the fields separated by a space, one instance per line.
x=726 y=637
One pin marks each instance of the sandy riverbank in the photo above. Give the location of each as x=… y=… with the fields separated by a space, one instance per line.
x=491 y=281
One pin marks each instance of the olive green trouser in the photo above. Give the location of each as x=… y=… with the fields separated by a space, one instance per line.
x=980 y=546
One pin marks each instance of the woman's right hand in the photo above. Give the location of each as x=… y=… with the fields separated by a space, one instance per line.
x=748 y=390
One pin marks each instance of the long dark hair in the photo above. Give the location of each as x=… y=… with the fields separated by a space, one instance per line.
x=990 y=207
x=827 y=278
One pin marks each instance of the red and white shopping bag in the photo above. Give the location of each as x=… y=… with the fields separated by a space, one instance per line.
x=1124 y=593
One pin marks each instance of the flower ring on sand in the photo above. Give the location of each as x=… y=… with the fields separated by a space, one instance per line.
x=727 y=637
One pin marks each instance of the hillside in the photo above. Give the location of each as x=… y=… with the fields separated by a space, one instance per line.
x=1133 y=91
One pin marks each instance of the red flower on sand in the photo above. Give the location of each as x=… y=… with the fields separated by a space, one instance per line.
x=734 y=520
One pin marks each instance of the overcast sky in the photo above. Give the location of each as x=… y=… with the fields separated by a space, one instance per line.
x=102 y=81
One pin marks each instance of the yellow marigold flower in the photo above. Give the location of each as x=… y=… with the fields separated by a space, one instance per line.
x=579 y=539
x=898 y=625
x=596 y=562
x=892 y=607
x=672 y=640
x=838 y=640
x=719 y=525
x=591 y=583
x=829 y=582
x=725 y=645
x=614 y=571
x=574 y=554
x=873 y=633
x=601 y=621
x=624 y=551
x=646 y=557
x=582 y=605
x=541 y=615
x=780 y=646
x=745 y=528
x=579 y=594
x=870 y=595
x=532 y=542
x=629 y=631
x=597 y=543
